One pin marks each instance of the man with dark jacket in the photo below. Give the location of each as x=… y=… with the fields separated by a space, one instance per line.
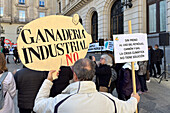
x=65 y=75
x=28 y=83
x=15 y=51
x=158 y=58
x=6 y=52
x=151 y=61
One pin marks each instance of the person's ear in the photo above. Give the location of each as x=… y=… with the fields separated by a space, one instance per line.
x=75 y=78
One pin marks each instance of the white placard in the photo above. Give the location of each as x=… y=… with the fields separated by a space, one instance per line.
x=130 y=48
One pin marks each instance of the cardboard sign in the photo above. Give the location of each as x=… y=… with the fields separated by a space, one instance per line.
x=50 y=42
x=94 y=47
x=130 y=48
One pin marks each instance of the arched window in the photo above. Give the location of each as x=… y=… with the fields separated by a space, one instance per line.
x=94 y=27
x=59 y=7
x=116 y=20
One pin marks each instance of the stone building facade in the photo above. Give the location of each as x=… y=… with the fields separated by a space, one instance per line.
x=147 y=16
x=14 y=14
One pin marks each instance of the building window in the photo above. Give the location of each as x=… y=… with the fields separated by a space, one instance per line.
x=59 y=7
x=156 y=16
x=21 y=1
x=80 y=20
x=94 y=27
x=66 y=1
x=41 y=3
x=22 y=16
x=116 y=19
x=2 y=11
x=41 y=14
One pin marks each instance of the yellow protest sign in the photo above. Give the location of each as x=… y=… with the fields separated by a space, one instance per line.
x=50 y=42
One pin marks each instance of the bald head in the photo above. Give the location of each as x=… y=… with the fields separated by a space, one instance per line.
x=84 y=69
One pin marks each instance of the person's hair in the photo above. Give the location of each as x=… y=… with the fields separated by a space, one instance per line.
x=108 y=59
x=150 y=47
x=113 y=60
x=157 y=45
x=3 y=67
x=84 y=69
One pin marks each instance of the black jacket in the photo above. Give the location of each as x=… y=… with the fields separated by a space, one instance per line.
x=151 y=56
x=65 y=75
x=15 y=51
x=5 y=51
x=158 y=55
x=124 y=84
x=103 y=74
x=28 y=83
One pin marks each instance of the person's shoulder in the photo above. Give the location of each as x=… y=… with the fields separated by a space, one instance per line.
x=108 y=95
x=9 y=76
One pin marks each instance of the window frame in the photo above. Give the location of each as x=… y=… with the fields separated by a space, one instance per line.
x=95 y=25
x=118 y=16
x=59 y=7
x=157 y=16
x=41 y=5
x=42 y=12
x=22 y=2
x=2 y=8
x=20 y=19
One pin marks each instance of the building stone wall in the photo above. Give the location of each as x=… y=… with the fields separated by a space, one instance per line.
x=10 y=31
x=137 y=14
x=10 y=19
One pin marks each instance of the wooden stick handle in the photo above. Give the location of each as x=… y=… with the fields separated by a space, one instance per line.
x=132 y=64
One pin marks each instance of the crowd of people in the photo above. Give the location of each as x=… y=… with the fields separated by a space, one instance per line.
x=87 y=86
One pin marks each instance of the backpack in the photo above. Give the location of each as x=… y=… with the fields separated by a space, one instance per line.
x=2 y=97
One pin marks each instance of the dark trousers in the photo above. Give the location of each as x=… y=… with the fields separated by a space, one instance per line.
x=142 y=80
x=25 y=110
x=152 y=69
x=158 y=66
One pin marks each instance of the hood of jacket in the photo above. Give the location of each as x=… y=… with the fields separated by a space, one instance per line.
x=128 y=65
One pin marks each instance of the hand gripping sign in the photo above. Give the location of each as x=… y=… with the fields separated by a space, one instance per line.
x=50 y=42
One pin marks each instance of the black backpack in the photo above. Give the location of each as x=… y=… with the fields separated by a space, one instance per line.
x=2 y=97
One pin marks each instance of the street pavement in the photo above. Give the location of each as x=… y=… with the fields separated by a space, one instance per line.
x=156 y=100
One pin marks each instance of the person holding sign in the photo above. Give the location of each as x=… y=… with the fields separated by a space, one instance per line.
x=81 y=96
x=124 y=82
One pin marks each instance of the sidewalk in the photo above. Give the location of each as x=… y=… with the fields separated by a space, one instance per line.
x=157 y=99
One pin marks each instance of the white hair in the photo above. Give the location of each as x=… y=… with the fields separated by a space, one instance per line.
x=108 y=59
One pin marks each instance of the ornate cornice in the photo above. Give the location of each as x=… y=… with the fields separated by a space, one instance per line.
x=75 y=6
